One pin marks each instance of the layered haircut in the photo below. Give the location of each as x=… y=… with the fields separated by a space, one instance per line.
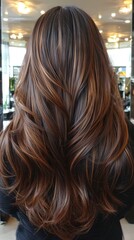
x=67 y=144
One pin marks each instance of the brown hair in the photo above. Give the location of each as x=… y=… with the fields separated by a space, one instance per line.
x=67 y=142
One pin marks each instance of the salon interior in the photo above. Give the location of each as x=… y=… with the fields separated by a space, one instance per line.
x=115 y=21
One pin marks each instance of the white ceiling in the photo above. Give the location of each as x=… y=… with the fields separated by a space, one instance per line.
x=111 y=26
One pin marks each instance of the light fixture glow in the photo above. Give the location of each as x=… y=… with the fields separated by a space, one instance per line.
x=113 y=14
x=13 y=36
x=22 y=8
x=130 y=6
x=99 y=16
x=42 y=12
x=126 y=2
x=126 y=39
x=20 y=35
x=101 y=31
x=113 y=39
x=5 y=19
x=6 y=13
x=125 y=10
x=127 y=21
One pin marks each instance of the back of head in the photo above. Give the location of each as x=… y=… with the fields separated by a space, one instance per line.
x=69 y=132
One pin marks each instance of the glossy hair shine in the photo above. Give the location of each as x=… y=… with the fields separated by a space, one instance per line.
x=67 y=144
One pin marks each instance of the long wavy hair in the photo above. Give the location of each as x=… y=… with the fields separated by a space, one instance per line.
x=67 y=144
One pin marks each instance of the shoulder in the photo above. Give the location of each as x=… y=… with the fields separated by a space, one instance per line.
x=7 y=201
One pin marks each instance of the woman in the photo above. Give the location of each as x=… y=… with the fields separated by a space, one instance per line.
x=66 y=161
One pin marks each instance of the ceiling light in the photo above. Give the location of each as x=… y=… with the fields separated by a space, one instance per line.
x=127 y=21
x=13 y=36
x=125 y=9
x=22 y=8
x=101 y=31
x=42 y=12
x=110 y=40
x=113 y=38
x=113 y=14
x=5 y=19
x=6 y=13
x=99 y=16
x=126 y=39
x=20 y=35
x=126 y=2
